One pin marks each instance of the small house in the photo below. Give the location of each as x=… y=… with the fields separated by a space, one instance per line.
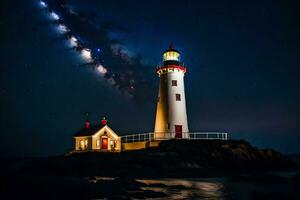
x=97 y=138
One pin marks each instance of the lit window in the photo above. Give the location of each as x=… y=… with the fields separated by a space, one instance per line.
x=81 y=144
x=178 y=97
x=86 y=142
x=171 y=55
x=174 y=82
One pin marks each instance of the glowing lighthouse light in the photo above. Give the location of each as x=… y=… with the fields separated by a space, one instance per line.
x=86 y=54
x=171 y=55
x=54 y=16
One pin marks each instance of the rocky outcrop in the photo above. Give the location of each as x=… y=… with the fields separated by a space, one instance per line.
x=228 y=155
x=172 y=158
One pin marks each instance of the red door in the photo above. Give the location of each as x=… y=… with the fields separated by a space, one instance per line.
x=104 y=143
x=178 y=131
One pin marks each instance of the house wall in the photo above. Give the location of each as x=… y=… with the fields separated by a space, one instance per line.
x=119 y=144
x=92 y=140
x=110 y=138
x=78 y=139
x=94 y=143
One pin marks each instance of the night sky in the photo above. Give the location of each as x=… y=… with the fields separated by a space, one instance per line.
x=242 y=58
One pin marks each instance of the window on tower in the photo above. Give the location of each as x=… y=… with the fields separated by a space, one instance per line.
x=174 y=82
x=178 y=97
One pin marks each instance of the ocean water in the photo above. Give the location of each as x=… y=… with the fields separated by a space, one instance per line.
x=224 y=188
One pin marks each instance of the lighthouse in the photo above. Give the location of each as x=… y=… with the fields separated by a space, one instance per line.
x=171 y=117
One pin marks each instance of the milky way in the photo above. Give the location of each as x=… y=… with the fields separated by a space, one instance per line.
x=108 y=56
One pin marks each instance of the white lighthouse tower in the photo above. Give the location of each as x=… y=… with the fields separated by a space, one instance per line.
x=171 y=117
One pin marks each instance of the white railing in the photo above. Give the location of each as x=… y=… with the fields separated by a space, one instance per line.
x=172 y=135
x=208 y=136
x=137 y=137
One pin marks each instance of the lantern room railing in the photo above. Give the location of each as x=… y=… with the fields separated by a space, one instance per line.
x=160 y=64
x=142 y=137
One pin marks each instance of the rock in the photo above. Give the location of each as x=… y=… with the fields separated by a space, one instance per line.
x=172 y=158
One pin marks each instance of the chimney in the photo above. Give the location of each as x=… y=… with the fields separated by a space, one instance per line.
x=103 y=121
x=87 y=121
x=86 y=124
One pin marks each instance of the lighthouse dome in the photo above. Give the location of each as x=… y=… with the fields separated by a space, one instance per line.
x=171 y=54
